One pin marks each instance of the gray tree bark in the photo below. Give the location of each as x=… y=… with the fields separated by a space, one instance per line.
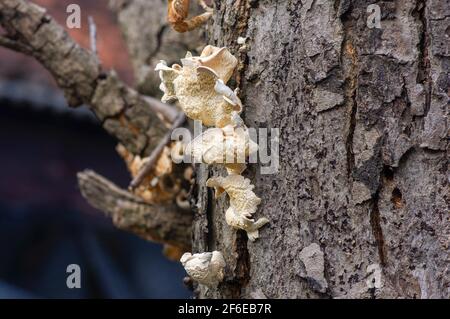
x=359 y=208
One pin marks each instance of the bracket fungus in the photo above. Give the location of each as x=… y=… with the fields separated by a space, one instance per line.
x=243 y=203
x=205 y=268
x=200 y=87
x=229 y=146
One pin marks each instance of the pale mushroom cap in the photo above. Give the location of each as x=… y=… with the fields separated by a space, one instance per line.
x=243 y=203
x=220 y=60
x=228 y=145
x=185 y=258
x=194 y=86
x=205 y=268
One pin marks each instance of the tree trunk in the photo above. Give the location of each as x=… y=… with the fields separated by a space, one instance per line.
x=359 y=207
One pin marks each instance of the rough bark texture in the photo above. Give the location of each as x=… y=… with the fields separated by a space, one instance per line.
x=362 y=186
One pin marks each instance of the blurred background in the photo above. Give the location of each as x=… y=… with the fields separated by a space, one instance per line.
x=45 y=224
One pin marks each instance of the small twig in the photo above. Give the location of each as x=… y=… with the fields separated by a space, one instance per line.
x=93 y=35
x=156 y=152
x=169 y=112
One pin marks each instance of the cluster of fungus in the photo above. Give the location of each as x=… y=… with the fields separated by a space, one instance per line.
x=199 y=85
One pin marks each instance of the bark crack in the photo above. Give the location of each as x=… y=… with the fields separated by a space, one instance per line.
x=210 y=220
x=349 y=56
x=244 y=8
x=375 y=223
x=243 y=256
x=352 y=107
x=424 y=73
x=159 y=42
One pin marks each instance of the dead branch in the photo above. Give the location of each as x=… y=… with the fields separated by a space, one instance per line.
x=163 y=224
x=123 y=112
x=14 y=45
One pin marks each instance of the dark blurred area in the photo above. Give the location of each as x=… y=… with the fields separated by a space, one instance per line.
x=45 y=224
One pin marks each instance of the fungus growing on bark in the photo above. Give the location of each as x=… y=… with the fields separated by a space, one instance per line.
x=199 y=85
x=167 y=76
x=205 y=268
x=243 y=203
x=229 y=146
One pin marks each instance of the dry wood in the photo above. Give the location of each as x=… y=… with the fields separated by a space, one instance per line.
x=164 y=224
x=124 y=113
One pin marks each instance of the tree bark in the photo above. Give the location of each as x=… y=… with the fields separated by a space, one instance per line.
x=359 y=207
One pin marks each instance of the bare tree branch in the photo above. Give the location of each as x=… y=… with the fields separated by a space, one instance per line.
x=124 y=113
x=163 y=224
